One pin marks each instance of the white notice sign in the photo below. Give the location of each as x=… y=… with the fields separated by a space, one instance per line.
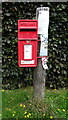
x=44 y=46
x=44 y=62
x=27 y=62
x=42 y=14
x=43 y=20
x=27 y=51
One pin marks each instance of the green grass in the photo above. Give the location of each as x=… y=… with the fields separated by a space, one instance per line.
x=20 y=104
x=0 y=104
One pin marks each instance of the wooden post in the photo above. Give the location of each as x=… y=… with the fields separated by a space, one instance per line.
x=39 y=81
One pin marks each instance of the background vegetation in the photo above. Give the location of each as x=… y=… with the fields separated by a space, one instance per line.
x=15 y=77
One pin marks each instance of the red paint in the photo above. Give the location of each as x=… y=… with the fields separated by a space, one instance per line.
x=27 y=29
x=27 y=35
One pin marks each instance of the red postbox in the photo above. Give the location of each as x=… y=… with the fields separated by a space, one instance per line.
x=27 y=43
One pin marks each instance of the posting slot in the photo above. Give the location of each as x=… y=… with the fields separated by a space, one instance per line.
x=29 y=30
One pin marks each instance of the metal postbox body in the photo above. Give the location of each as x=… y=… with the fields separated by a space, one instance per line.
x=27 y=43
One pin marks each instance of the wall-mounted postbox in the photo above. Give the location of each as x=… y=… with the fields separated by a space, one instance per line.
x=27 y=43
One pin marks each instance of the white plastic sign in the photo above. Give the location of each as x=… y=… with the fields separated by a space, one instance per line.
x=42 y=14
x=44 y=62
x=27 y=51
x=44 y=46
x=27 y=62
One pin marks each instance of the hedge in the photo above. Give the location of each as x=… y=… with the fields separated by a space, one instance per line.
x=15 y=77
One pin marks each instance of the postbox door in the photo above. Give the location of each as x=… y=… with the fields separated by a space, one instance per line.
x=27 y=53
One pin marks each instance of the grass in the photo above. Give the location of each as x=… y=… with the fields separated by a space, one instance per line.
x=0 y=103
x=20 y=104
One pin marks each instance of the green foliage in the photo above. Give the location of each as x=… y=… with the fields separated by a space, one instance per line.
x=16 y=77
x=19 y=103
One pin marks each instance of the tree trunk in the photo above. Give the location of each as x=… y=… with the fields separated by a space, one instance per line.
x=39 y=81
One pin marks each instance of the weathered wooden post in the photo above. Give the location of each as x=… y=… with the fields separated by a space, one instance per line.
x=39 y=81
x=42 y=14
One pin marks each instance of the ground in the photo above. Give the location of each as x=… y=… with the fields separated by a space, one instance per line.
x=19 y=103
